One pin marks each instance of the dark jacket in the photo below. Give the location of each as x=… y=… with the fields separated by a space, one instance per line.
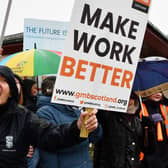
x=29 y=100
x=120 y=145
x=156 y=154
x=19 y=128
x=75 y=156
x=30 y=103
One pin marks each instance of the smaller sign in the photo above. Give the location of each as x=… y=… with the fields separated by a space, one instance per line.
x=141 y=5
x=46 y=34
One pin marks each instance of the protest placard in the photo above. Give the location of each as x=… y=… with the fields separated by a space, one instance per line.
x=101 y=52
x=44 y=34
x=47 y=34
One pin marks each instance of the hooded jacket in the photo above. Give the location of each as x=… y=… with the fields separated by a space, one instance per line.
x=9 y=76
x=29 y=99
x=76 y=156
x=155 y=152
x=20 y=128
x=121 y=143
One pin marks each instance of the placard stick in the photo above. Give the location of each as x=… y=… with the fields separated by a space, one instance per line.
x=146 y=127
x=84 y=131
x=5 y=23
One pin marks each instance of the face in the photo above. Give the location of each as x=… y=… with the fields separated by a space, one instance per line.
x=156 y=97
x=34 y=90
x=132 y=108
x=4 y=90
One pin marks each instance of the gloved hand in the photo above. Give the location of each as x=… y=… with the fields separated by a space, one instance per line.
x=156 y=117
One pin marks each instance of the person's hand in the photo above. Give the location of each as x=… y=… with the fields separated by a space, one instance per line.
x=30 y=152
x=91 y=123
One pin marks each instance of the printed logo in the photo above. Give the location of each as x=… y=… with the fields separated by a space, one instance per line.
x=19 y=67
x=55 y=98
x=81 y=102
x=21 y=63
x=145 y=2
x=141 y=5
x=9 y=142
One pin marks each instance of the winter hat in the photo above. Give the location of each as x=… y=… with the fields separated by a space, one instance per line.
x=9 y=76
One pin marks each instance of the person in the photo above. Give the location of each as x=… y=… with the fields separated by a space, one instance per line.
x=19 y=84
x=121 y=143
x=75 y=156
x=21 y=99
x=30 y=94
x=33 y=158
x=20 y=128
x=155 y=122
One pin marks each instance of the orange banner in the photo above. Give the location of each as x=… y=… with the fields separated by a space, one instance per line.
x=144 y=2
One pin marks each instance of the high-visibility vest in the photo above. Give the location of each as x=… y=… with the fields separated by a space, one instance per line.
x=164 y=111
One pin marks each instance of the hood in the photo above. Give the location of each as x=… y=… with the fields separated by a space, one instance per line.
x=43 y=101
x=9 y=76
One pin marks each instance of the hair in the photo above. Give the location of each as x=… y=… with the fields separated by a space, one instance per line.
x=136 y=98
x=136 y=108
x=21 y=94
x=9 y=76
x=19 y=79
x=48 y=85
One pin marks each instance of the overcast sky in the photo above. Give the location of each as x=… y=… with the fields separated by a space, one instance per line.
x=60 y=10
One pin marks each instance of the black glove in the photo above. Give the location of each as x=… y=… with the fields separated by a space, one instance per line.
x=146 y=121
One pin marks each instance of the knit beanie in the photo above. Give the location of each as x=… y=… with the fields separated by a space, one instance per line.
x=9 y=76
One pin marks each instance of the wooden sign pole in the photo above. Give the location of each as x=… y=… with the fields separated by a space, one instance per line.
x=84 y=131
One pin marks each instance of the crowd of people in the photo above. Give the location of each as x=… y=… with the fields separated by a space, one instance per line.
x=36 y=133
x=20 y=127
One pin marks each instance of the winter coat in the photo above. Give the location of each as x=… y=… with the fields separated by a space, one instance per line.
x=75 y=157
x=120 y=145
x=19 y=128
x=155 y=152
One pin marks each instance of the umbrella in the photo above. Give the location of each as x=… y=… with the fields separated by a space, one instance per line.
x=151 y=77
x=33 y=62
